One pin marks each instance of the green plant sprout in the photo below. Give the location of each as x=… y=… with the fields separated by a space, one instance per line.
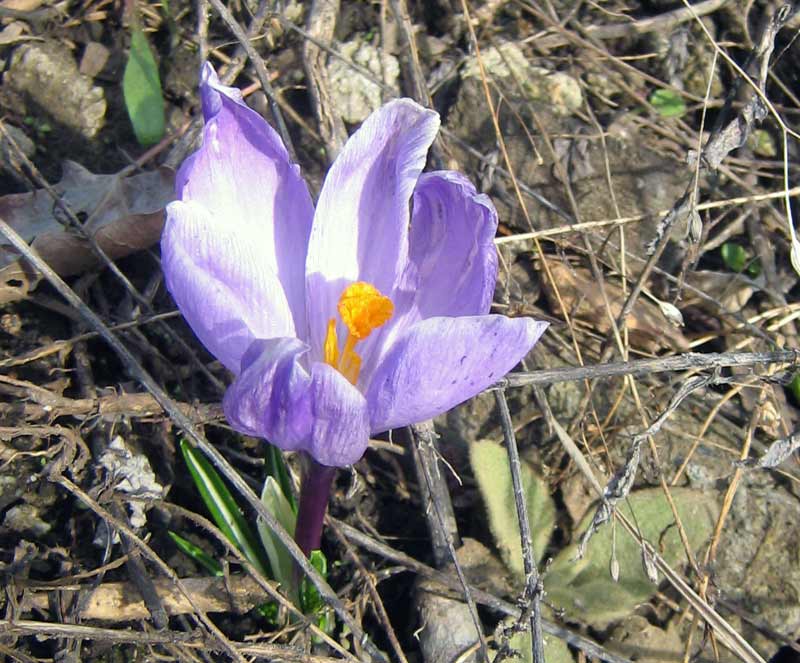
x=737 y=259
x=668 y=103
x=264 y=551
x=141 y=87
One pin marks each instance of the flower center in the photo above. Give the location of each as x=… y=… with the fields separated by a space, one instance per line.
x=362 y=309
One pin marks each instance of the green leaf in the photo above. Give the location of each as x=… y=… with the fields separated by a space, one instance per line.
x=754 y=268
x=490 y=467
x=310 y=601
x=734 y=256
x=794 y=387
x=276 y=467
x=271 y=612
x=668 y=103
x=280 y=560
x=197 y=554
x=555 y=649
x=141 y=88
x=309 y=596
x=584 y=587
x=223 y=507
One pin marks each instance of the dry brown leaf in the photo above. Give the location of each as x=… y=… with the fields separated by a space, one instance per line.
x=22 y=5
x=123 y=214
x=649 y=329
x=14 y=32
x=730 y=291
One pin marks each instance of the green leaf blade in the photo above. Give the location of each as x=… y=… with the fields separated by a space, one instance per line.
x=197 y=554
x=734 y=256
x=141 y=89
x=668 y=103
x=280 y=560
x=223 y=508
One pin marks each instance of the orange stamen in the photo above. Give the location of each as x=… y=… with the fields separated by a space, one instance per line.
x=363 y=309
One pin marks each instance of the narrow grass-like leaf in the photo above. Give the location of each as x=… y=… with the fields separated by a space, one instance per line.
x=197 y=554
x=141 y=88
x=280 y=560
x=223 y=507
x=490 y=467
x=668 y=103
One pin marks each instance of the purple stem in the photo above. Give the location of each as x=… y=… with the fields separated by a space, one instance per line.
x=314 y=495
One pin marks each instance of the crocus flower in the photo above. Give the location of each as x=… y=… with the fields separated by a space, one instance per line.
x=366 y=313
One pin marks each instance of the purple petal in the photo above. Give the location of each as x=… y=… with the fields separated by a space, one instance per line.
x=220 y=283
x=271 y=396
x=341 y=420
x=277 y=398
x=244 y=177
x=361 y=223
x=452 y=259
x=441 y=362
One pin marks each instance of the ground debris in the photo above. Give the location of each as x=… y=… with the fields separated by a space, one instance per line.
x=122 y=213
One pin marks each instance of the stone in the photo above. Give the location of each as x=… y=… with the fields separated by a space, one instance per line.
x=355 y=96
x=46 y=76
x=95 y=57
x=25 y=518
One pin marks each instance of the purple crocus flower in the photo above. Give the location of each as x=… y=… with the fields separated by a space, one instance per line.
x=366 y=313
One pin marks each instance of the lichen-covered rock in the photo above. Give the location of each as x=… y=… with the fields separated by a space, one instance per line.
x=507 y=61
x=46 y=75
x=757 y=565
x=355 y=96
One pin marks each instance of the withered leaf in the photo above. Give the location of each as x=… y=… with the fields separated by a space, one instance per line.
x=123 y=215
x=649 y=328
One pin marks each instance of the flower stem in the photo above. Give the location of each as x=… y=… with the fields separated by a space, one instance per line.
x=314 y=495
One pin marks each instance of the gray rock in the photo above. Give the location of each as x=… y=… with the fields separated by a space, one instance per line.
x=757 y=567
x=46 y=76
x=354 y=96
x=25 y=518
x=9 y=156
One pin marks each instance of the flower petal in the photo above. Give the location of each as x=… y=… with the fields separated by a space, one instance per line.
x=319 y=412
x=244 y=177
x=341 y=421
x=220 y=283
x=271 y=396
x=452 y=259
x=361 y=223
x=441 y=362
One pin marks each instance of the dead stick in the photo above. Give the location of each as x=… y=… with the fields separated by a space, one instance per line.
x=689 y=360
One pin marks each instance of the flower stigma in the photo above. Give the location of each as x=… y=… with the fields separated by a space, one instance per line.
x=362 y=309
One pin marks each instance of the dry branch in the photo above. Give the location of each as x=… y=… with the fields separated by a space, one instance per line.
x=195 y=640
x=641 y=367
x=120 y=601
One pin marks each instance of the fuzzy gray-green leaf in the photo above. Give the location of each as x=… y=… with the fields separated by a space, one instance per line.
x=585 y=589
x=490 y=467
